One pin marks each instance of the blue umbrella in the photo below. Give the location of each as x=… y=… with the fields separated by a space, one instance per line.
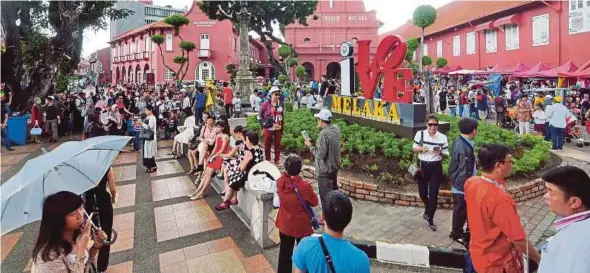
x=74 y=166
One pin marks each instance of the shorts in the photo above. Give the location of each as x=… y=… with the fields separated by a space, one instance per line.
x=210 y=148
x=539 y=128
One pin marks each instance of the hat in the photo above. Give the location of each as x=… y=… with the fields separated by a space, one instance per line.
x=274 y=89
x=548 y=97
x=324 y=115
x=52 y=98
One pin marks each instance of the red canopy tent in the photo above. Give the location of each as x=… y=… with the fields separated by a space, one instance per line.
x=496 y=69
x=443 y=70
x=519 y=67
x=582 y=72
x=456 y=68
x=540 y=66
x=552 y=73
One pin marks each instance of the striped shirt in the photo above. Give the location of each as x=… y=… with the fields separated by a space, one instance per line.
x=438 y=140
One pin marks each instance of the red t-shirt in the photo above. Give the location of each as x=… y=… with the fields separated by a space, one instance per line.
x=228 y=95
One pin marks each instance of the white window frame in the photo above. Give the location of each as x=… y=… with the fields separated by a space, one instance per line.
x=131 y=47
x=470 y=43
x=439 y=49
x=169 y=39
x=539 y=41
x=425 y=49
x=512 y=33
x=491 y=40
x=147 y=41
x=138 y=49
x=457 y=45
x=168 y=74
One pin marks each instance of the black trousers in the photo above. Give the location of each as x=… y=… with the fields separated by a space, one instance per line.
x=428 y=186
x=327 y=182
x=459 y=214
x=228 y=110
x=285 y=252
x=105 y=213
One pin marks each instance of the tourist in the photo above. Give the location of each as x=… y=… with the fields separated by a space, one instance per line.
x=237 y=173
x=36 y=118
x=326 y=153
x=557 y=114
x=540 y=118
x=62 y=244
x=215 y=160
x=186 y=132
x=237 y=105
x=200 y=104
x=442 y=100
x=150 y=147
x=568 y=196
x=501 y=107
x=497 y=239
x=5 y=140
x=324 y=86
x=103 y=200
x=463 y=104
x=115 y=121
x=293 y=220
x=344 y=257
x=52 y=118
x=452 y=101
x=462 y=166
x=482 y=105
x=79 y=112
x=253 y=98
x=228 y=96
x=271 y=116
x=524 y=115
x=171 y=122
x=206 y=142
x=431 y=146
x=186 y=101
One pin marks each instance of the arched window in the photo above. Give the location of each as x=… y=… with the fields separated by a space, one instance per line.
x=205 y=71
x=306 y=40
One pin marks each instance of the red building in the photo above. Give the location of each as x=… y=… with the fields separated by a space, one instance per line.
x=334 y=22
x=100 y=65
x=134 y=55
x=480 y=34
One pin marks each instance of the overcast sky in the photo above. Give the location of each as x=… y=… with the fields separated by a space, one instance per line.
x=391 y=13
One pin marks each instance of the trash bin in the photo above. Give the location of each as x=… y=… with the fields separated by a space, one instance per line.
x=17 y=129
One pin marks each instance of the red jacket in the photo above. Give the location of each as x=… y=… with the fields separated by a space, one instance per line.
x=292 y=219
x=36 y=115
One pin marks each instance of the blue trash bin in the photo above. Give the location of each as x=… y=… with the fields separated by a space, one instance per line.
x=17 y=129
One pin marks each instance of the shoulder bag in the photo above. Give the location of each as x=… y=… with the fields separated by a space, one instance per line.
x=36 y=131
x=414 y=169
x=327 y=255
x=146 y=134
x=315 y=224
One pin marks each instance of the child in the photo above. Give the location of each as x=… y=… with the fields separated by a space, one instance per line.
x=137 y=127
x=540 y=118
x=237 y=103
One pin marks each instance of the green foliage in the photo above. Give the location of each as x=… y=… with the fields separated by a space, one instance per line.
x=176 y=21
x=282 y=78
x=62 y=82
x=289 y=106
x=300 y=71
x=292 y=62
x=285 y=51
x=414 y=67
x=232 y=70
x=426 y=60
x=413 y=44
x=187 y=45
x=180 y=60
x=441 y=62
x=254 y=67
x=410 y=56
x=158 y=39
x=424 y=16
x=230 y=67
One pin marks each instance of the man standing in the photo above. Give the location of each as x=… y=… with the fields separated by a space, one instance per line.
x=501 y=106
x=51 y=117
x=200 y=100
x=326 y=153
x=331 y=253
x=5 y=140
x=228 y=97
x=498 y=240
x=482 y=105
x=568 y=196
x=186 y=102
x=324 y=86
x=557 y=114
x=462 y=166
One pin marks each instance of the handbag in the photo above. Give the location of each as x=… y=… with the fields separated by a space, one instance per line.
x=327 y=255
x=414 y=169
x=193 y=142
x=146 y=134
x=315 y=224
x=267 y=122
x=36 y=131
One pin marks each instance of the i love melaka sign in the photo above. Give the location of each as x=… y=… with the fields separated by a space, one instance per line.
x=396 y=90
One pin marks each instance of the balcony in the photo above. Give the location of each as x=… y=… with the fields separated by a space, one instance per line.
x=131 y=57
x=115 y=59
x=123 y=58
x=146 y=55
x=138 y=56
x=204 y=53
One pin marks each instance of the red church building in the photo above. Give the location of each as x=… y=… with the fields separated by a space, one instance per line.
x=134 y=55
x=334 y=22
x=481 y=34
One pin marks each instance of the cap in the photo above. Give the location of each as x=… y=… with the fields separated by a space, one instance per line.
x=324 y=115
x=274 y=89
x=557 y=99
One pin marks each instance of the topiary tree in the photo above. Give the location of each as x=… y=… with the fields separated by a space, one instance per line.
x=426 y=60
x=423 y=17
x=232 y=70
x=282 y=78
x=186 y=47
x=300 y=72
x=291 y=62
x=441 y=62
x=284 y=51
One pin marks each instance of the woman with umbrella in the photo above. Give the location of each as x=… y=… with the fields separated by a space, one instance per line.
x=63 y=239
x=150 y=147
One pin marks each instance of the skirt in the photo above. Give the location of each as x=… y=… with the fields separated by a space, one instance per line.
x=149 y=162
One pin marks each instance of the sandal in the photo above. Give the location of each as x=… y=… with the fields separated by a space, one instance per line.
x=192 y=194
x=233 y=202
x=222 y=206
x=198 y=196
x=152 y=170
x=191 y=171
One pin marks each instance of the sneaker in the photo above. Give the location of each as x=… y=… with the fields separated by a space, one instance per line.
x=431 y=225
x=425 y=216
x=459 y=238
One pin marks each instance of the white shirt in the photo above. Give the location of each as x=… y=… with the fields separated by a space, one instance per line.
x=569 y=250
x=540 y=117
x=430 y=142
x=253 y=100
x=186 y=102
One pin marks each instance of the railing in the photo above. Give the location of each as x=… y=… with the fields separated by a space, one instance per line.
x=131 y=57
x=123 y=58
x=204 y=53
x=115 y=59
x=137 y=55
x=146 y=55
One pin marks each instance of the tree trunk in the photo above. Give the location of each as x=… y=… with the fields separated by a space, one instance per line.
x=11 y=67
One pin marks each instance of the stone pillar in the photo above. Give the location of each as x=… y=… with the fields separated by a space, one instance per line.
x=244 y=79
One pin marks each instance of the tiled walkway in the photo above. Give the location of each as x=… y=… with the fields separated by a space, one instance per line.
x=159 y=229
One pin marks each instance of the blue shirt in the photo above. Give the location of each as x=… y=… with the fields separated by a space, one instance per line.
x=557 y=113
x=472 y=143
x=568 y=251
x=346 y=257
x=200 y=100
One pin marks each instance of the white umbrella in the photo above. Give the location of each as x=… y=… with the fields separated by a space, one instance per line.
x=75 y=166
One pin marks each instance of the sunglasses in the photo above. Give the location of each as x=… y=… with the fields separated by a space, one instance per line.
x=432 y=124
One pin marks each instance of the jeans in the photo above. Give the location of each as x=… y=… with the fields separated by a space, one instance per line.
x=228 y=110
x=547 y=132
x=557 y=137
x=7 y=143
x=285 y=252
x=272 y=138
x=199 y=114
x=461 y=108
x=453 y=110
x=136 y=141
x=327 y=182
x=459 y=214
x=429 y=185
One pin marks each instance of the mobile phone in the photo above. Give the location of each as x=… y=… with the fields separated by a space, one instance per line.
x=436 y=148
x=305 y=134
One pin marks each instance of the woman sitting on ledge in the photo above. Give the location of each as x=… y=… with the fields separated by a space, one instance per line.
x=186 y=132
